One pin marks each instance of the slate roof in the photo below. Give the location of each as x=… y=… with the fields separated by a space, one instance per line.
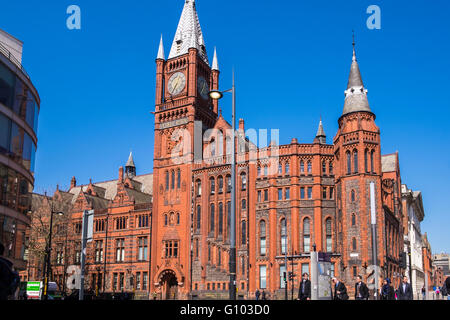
x=189 y=34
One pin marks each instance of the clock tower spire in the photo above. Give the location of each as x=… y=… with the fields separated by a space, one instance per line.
x=182 y=101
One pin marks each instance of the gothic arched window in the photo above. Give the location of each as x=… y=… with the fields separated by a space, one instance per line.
x=372 y=166
x=220 y=183
x=329 y=235
x=355 y=161
x=167 y=180
x=199 y=217
x=199 y=188
x=366 y=159
x=306 y=235
x=172 y=185
x=244 y=181
x=262 y=238
x=212 y=185
x=283 y=236
x=243 y=232
x=349 y=162
x=211 y=218
x=220 y=218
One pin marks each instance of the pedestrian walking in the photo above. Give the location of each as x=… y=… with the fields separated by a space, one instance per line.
x=387 y=291
x=361 y=290
x=304 y=292
x=263 y=295
x=340 y=290
x=405 y=290
x=257 y=294
x=9 y=279
x=438 y=291
x=424 y=293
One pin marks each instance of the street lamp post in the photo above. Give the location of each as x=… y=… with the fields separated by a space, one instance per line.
x=218 y=95
x=48 y=254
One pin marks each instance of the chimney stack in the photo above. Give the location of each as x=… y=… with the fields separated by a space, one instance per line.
x=73 y=183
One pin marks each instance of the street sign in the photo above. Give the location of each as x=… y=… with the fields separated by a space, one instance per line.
x=324 y=281
x=90 y=225
x=33 y=289
x=324 y=257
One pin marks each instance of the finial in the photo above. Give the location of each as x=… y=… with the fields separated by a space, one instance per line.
x=161 y=49
x=354 y=45
x=215 y=64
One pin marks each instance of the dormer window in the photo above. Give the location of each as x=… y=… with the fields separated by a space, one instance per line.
x=179 y=42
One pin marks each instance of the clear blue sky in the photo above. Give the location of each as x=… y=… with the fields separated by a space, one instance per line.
x=292 y=60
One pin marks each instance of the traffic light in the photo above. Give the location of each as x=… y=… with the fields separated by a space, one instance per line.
x=284 y=276
x=291 y=276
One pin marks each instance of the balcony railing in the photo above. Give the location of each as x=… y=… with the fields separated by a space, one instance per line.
x=11 y=58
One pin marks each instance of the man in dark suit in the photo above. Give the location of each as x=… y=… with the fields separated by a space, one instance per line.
x=404 y=291
x=361 y=290
x=304 y=292
x=340 y=290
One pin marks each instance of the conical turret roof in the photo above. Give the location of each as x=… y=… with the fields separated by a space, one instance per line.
x=355 y=95
x=189 y=33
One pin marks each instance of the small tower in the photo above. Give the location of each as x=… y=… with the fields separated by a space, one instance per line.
x=358 y=165
x=130 y=168
x=321 y=138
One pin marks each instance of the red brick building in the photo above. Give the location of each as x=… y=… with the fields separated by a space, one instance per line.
x=289 y=198
x=118 y=257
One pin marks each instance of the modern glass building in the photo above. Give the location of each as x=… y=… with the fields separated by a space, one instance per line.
x=19 y=110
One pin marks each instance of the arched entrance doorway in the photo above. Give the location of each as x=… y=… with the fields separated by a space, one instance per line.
x=169 y=285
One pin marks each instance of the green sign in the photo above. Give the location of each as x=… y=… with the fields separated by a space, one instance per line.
x=33 y=289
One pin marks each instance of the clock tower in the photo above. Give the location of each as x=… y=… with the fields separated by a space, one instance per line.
x=182 y=102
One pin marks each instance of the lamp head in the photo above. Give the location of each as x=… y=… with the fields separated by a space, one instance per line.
x=215 y=95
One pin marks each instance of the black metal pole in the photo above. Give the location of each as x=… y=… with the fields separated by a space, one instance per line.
x=292 y=268
x=232 y=285
x=49 y=250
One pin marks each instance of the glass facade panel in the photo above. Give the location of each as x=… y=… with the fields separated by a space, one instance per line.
x=5 y=131
x=7 y=83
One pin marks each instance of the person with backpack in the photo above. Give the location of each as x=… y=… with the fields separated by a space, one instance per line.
x=9 y=279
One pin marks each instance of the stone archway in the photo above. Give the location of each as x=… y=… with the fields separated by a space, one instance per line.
x=169 y=285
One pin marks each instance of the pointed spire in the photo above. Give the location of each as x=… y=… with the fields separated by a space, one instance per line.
x=161 y=50
x=130 y=162
x=215 y=63
x=130 y=168
x=320 y=131
x=354 y=79
x=189 y=33
x=356 y=94
x=321 y=136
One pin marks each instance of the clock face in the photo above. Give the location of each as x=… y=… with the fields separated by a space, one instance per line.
x=203 y=88
x=176 y=84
